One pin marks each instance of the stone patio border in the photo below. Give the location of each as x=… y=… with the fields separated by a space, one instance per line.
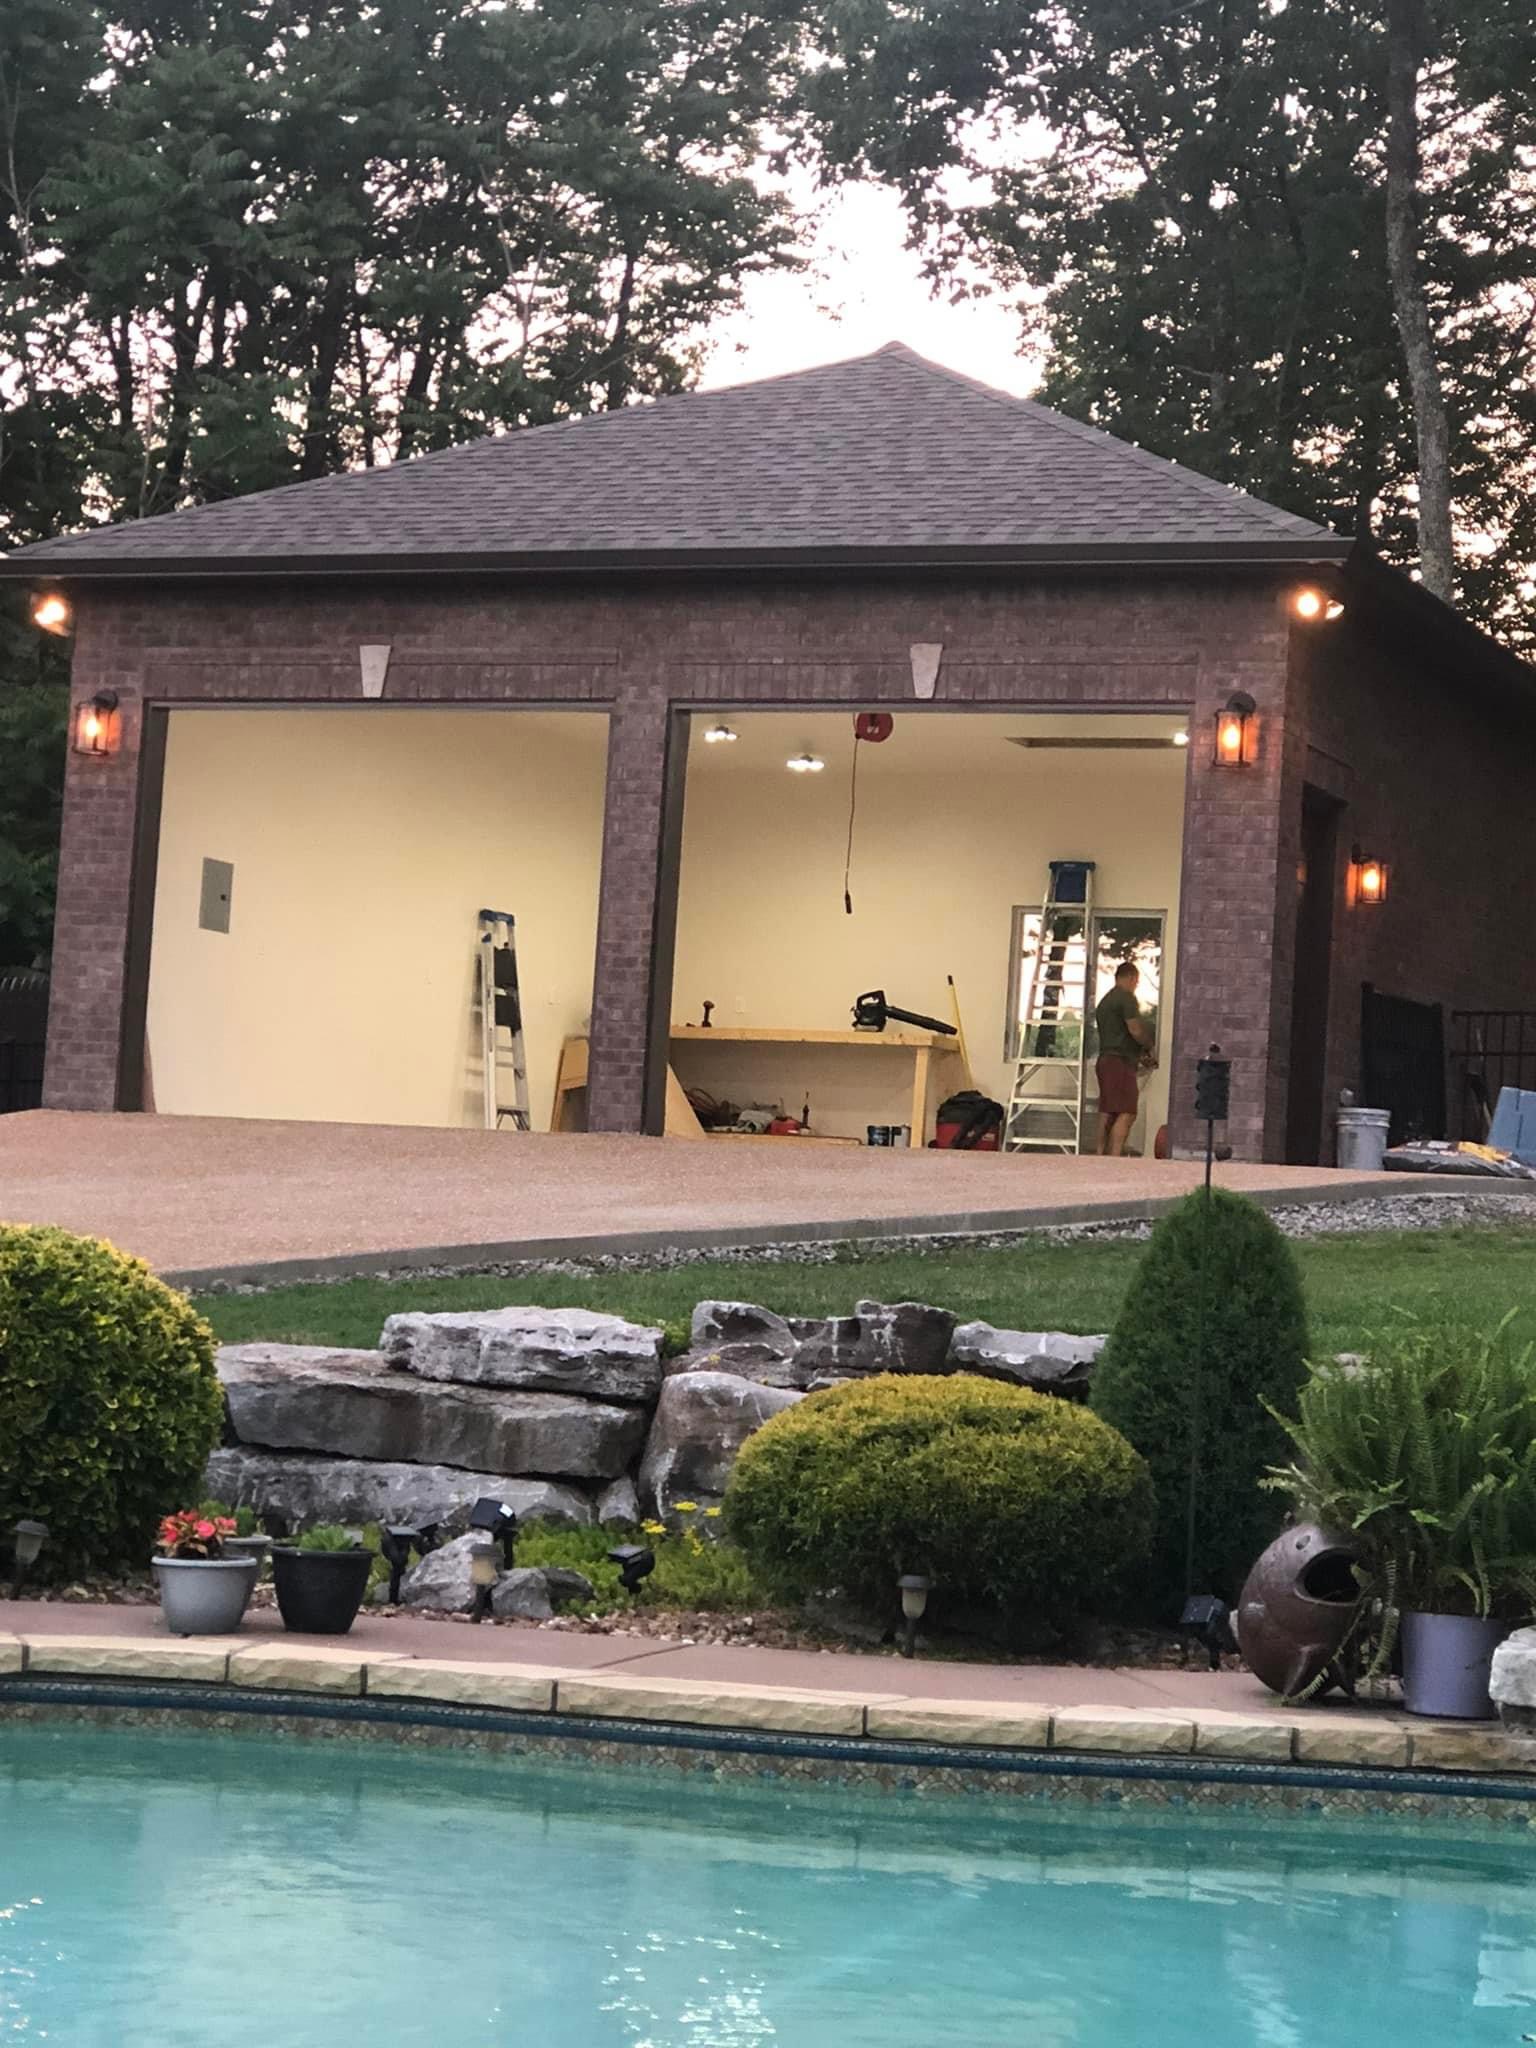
x=1346 y=1741
x=747 y=1236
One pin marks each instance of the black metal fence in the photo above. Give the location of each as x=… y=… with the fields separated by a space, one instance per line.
x=1490 y=1050
x=23 y=1027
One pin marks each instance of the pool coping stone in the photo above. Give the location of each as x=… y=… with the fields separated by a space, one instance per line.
x=1384 y=1740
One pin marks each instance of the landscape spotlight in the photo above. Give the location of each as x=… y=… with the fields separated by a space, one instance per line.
x=914 y=1590
x=634 y=1562
x=27 y=1539
x=1208 y=1620
x=498 y=1520
x=395 y=1546
x=482 y=1576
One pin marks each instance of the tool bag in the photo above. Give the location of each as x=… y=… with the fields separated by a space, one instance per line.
x=969 y=1122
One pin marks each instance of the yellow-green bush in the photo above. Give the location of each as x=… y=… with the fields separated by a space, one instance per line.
x=109 y=1404
x=1008 y=1500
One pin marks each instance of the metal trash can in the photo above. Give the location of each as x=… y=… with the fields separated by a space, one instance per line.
x=1363 y=1139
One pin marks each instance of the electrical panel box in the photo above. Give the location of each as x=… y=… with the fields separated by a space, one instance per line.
x=218 y=886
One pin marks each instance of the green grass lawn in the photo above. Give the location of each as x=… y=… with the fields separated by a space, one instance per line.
x=1353 y=1285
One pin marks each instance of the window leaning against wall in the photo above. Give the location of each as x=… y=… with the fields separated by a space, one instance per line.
x=1115 y=935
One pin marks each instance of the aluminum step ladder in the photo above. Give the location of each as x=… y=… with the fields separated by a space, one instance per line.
x=503 y=1055
x=1046 y=1107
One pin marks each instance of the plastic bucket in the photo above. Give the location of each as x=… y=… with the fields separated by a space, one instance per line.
x=1363 y=1138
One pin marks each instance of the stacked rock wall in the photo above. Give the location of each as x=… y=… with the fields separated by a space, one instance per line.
x=564 y=1414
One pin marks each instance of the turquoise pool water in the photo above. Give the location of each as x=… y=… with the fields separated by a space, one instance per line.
x=165 y=1890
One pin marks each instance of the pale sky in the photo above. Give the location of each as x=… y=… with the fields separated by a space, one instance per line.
x=862 y=288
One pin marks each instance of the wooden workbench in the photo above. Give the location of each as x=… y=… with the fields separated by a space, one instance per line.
x=923 y=1048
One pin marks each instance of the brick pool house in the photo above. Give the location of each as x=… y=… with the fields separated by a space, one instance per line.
x=564 y=671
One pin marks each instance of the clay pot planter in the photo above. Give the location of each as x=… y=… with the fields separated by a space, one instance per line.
x=204 y=1596
x=1447 y=1663
x=319 y=1591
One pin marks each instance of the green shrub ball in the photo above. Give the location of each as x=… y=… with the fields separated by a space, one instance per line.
x=1246 y=1320
x=1011 y=1502
x=109 y=1403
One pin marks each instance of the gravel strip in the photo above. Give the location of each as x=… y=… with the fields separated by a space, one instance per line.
x=1406 y=1211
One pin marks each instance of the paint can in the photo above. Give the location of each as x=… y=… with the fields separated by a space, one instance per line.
x=879 y=1134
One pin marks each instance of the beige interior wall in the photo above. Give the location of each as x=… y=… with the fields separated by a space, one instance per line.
x=364 y=842
x=954 y=827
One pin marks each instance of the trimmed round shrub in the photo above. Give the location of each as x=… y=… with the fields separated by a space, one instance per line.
x=109 y=1403
x=1248 y=1322
x=1008 y=1500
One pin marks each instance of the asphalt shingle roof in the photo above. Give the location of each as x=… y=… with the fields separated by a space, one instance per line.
x=884 y=458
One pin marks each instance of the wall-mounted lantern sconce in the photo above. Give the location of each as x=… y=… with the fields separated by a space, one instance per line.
x=1313 y=605
x=1237 y=731
x=1367 y=878
x=98 y=724
x=53 y=612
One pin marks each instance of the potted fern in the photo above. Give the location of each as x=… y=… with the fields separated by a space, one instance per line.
x=1425 y=1450
x=320 y=1580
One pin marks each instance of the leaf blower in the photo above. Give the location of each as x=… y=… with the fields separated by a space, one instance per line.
x=871 y=1012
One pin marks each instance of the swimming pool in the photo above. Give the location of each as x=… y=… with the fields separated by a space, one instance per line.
x=160 y=1890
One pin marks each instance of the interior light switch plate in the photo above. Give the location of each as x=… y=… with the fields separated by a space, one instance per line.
x=218 y=886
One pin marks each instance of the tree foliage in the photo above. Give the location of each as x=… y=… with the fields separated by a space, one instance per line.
x=1191 y=202
x=246 y=242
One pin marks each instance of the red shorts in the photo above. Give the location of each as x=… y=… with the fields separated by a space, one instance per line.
x=1118 y=1093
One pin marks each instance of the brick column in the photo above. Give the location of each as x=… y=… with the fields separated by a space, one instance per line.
x=1237 y=909
x=90 y=943
x=636 y=916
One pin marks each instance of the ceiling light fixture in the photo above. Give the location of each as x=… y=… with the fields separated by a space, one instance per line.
x=805 y=764
x=717 y=733
x=1181 y=737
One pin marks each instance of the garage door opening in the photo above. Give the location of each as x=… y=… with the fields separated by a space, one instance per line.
x=319 y=882
x=945 y=830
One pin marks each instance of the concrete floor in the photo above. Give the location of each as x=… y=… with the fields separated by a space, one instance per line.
x=1049 y=1685
x=205 y=1196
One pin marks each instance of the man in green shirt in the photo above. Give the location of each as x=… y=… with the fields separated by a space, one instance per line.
x=1125 y=1044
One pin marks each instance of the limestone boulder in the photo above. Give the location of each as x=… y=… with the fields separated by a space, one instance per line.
x=543 y=1350
x=354 y=1404
x=618 y=1502
x=536 y=1592
x=303 y=1489
x=803 y=1351
x=1512 y=1685
x=1049 y=1361
x=702 y=1420
x=441 y=1580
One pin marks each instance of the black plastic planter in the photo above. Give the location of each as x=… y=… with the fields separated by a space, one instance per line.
x=320 y=1591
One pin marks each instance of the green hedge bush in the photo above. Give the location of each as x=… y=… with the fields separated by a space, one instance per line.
x=1255 y=1348
x=1010 y=1501
x=109 y=1403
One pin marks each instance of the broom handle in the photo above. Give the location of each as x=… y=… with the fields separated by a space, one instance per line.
x=954 y=1011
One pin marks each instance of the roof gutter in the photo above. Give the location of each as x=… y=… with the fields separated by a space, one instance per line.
x=65 y=564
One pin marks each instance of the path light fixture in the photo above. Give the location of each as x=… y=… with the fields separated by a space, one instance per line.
x=1368 y=878
x=1237 y=731
x=53 y=612
x=716 y=735
x=98 y=727
x=635 y=1563
x=1208 y=1621
x=27 y=1540
x=483 y=1575
x=499 y=1522
x=914 y=1590
x=395 y=1546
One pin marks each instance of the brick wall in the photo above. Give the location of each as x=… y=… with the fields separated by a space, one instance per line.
x=641 y=646
x=1432 y=768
